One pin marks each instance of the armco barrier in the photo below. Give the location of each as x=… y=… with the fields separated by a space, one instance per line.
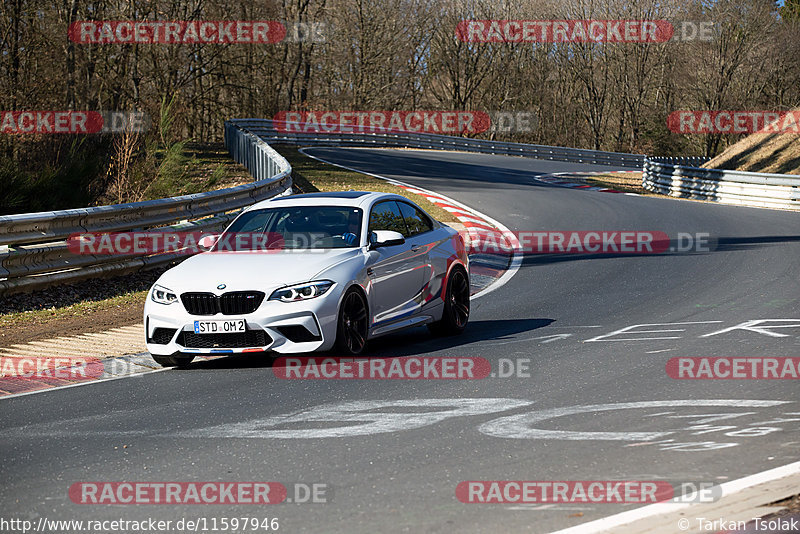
x=33 y=250
x=287 y=132
x=681 y=179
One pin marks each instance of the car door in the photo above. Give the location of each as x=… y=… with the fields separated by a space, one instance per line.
x=395 y=272
x=421 y=238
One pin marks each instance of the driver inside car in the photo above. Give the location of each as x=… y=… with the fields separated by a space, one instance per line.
x=351 y=235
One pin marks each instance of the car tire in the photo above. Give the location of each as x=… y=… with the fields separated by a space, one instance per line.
x=352 y=326
x=176 y=360
x=456 y=305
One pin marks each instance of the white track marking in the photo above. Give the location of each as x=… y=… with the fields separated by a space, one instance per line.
x=728 y=488
x=384 y=416
x=630 y=328
x=753 y=326
x=518 y=426
x=367 y=413
x=516 y=261
x=546 y=339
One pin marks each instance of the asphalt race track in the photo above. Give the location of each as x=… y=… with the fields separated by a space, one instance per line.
x=559 y=315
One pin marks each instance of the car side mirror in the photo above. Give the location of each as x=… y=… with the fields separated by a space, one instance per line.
x=385 y=238
x=208 y=241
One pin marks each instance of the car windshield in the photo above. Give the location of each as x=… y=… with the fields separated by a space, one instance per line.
x=294 y=227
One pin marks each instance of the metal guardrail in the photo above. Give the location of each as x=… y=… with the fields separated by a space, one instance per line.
x=33 y=248
x=691 y=161
x=289 y=132
x=682 y=179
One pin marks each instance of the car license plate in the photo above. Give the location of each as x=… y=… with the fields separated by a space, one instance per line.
x=220 y=327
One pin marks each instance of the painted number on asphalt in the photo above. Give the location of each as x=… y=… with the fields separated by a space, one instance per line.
x=361 y=418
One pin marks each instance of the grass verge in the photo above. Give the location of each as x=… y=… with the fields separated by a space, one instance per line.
x=628 y=182
x=195 y=168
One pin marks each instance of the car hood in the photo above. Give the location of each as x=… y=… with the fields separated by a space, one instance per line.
x=241 y=271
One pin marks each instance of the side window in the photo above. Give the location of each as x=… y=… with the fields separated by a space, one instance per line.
x=417 y=222
x=387 y=216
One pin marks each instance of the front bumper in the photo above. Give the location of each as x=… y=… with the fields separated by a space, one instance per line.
x=283 y=327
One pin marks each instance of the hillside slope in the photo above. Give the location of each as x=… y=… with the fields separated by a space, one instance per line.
x=773 y=153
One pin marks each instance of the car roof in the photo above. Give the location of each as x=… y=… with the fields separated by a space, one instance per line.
x=325 y=194
x=359 y=199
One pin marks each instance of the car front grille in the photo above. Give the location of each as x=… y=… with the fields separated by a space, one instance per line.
x=232 y=303
x=232 y=340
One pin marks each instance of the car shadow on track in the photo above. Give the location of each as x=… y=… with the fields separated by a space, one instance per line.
x=670 y=248
x=411 y=342
x=419 y=342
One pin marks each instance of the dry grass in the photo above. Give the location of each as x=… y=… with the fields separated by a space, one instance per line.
x=773 y=153
x=78 y=309
x=629 y=182
x=211 y=162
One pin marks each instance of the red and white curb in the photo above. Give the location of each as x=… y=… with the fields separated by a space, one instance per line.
x=561 y=179
x=484 y=269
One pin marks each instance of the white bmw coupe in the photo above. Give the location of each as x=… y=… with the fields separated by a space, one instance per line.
x=311 y=272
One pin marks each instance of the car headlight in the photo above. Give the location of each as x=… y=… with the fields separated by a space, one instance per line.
x=304 y=291
x=162 y=295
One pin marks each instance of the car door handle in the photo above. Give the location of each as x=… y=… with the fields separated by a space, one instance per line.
x=416 y=248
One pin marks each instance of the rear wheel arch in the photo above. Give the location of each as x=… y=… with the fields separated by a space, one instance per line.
x=456 y=310
x=450 y=269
